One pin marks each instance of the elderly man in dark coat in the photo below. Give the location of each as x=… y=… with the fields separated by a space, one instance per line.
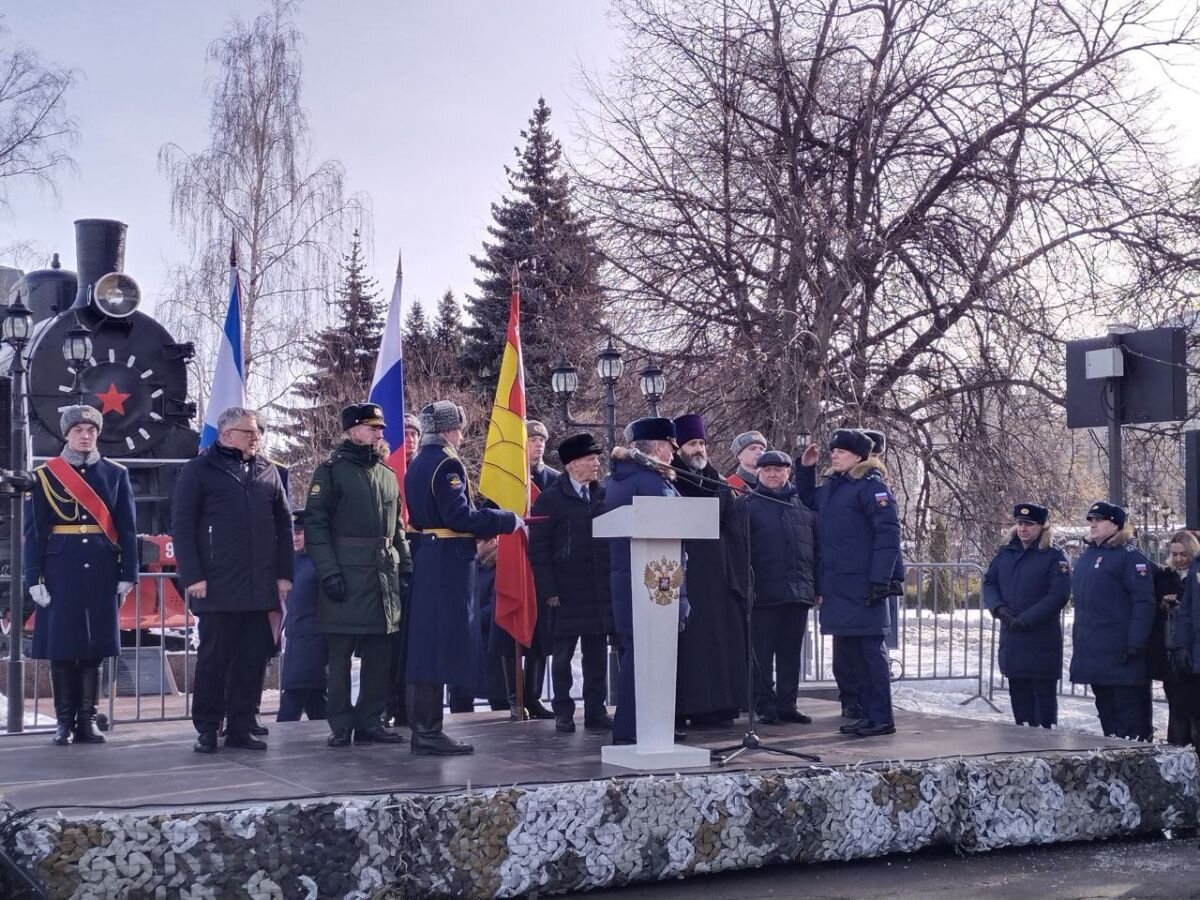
x=232 y=530
x=80 y=559
x=1026 y=587
x=858 y=533
x=647 y=473
x=445 y=523
x=304 y=680
x=352 y=532
x=1113 y=593
x=780 y=530
x=570 y=570
x=711 y=686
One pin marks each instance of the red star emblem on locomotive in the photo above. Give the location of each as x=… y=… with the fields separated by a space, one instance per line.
x=112 y=400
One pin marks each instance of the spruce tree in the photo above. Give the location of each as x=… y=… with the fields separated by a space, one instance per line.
x=447 y=341
x=417 y=341
x=341 y=358
x=536 y=227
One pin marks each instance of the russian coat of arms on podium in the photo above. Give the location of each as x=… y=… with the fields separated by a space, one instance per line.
x=663 y=578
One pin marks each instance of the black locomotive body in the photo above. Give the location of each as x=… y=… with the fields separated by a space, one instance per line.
x=135 y=374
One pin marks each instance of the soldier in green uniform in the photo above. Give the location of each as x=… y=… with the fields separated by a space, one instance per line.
x=353 y=535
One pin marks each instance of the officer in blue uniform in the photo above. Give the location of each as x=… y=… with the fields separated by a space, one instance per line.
x=1113 y=590
x=444 y=522
x=76 y=572
x=1025 y=588
x=858 y=568
x=654 y=438
x=304 y=679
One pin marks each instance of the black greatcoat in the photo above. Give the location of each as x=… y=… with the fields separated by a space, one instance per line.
x=712 y=647
x=569 y=563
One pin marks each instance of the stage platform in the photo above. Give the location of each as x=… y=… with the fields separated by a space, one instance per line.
x=533 y=809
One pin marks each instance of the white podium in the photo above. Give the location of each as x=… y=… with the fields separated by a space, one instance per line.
x=655 y=527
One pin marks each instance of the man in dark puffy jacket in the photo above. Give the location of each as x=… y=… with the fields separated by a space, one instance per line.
x=654 y=439
x=782 y=550
x=570 y=569
x=304 y=680
x=1113 y=594
x=352 y=532
x=858 y=532
x=233 y=543
x=1025 y=588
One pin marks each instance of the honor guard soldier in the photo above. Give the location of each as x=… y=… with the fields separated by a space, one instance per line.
x=80 y=559
x=1025 y=588
x=445 y=522
x=353 y=535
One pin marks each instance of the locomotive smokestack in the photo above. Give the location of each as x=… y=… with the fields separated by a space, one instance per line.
x=99 y=249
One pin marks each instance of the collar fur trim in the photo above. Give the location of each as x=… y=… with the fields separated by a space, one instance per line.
x=1044 y=543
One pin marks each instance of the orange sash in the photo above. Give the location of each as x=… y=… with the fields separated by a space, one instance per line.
x=83 y=494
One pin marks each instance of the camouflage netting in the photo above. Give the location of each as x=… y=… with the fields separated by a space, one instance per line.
x=586 y=835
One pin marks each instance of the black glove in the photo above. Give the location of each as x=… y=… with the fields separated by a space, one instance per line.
x=1131 y=653
x=1180 y=660
x=878 y=592
x=335 y=588
x=1004 y=614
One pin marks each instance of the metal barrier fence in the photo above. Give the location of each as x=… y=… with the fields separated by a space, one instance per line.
x=941 y=631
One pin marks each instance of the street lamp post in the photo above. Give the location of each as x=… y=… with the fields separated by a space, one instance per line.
x=77 y=350
x=564 y=381
x=15 y=328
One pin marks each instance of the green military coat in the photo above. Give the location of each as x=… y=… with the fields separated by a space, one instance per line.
x=351 y=528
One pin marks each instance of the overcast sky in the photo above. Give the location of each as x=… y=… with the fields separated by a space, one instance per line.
x=421 y=101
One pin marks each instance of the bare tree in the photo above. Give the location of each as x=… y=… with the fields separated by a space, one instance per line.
x=257 y=183
x=888 y=213
x=35 y=129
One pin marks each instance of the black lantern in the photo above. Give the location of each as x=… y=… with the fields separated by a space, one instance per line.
x=652 y=385
x=18 y=322
x=564 y=379
x=609 y=365
x=77 y=346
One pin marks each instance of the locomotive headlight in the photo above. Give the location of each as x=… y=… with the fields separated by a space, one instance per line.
x=116 y=295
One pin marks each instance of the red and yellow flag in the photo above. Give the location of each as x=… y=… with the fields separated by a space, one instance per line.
x=504 y=480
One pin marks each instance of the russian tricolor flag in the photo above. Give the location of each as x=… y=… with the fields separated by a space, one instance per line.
x=229 y=385
x=387 y=387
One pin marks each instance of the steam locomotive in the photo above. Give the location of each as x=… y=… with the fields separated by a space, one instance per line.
x=135 y=374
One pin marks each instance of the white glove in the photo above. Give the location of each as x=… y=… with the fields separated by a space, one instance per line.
x=521 y=526
x=40 y=594
x=123 y=587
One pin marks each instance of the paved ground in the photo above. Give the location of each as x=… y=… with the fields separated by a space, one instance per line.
x=1141 y=869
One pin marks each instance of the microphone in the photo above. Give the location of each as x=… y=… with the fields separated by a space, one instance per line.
x=642 y=459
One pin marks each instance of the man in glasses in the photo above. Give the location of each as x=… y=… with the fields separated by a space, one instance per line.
x=233 y=542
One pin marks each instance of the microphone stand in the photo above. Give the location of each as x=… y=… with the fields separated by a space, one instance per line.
x=750 y=740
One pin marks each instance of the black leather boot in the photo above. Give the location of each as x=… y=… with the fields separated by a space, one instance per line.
x=535 y=677
x=65 y=686
x=510 y=687
x=425 y=718
x=85 y=717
